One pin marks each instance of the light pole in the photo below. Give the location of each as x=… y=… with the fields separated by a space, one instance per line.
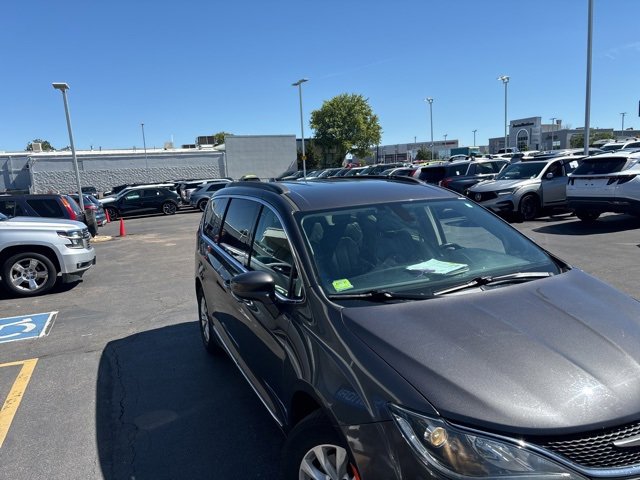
x=63 y=87
x=445 y=137
x=304 y=156
x=553 y=123
x=429 y=100
x=474 y=137
x=622 y=114
x=144 y=144
x=505 y=81
x=587 y=102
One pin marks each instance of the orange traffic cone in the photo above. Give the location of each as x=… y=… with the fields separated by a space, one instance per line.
x=106 y=213
x=123 y=232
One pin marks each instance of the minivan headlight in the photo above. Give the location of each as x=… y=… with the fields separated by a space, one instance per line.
x=74 y=237
x=458 y=454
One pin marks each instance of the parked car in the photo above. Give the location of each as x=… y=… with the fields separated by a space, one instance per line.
x=399 y=172
x=185 y=189
x=435 y=172
x=93 y=204
x=115 y=197
x=354 y=171
x=605 y=183
x=396 y=330
x=379 y=168
x=526 y=188
x=141 y=201
x=477 y=171
x=50 y=205
x=89 y=190
x=613 y=146
x=34 y=252
x=200 y=197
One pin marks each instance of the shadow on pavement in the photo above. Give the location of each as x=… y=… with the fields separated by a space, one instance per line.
x=602 y=226
x=165 y=409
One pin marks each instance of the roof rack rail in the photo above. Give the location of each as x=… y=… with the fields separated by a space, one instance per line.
x=401 y=178
x=270 y=186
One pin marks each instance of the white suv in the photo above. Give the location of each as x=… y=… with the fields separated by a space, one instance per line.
x=614 y=146
x=35 y=251
x=605 y=183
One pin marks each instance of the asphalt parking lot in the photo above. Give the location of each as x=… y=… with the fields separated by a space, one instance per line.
x=120 y=387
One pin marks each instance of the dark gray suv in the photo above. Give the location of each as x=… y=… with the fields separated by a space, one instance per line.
x=395 y=330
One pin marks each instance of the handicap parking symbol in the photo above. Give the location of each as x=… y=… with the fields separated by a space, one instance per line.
x=26 y=326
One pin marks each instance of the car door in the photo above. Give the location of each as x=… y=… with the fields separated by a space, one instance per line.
x=554 y=190
x=131 y=203
x=152 y=199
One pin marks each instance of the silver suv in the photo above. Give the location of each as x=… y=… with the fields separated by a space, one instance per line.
x=34 y=252
x=525 y=188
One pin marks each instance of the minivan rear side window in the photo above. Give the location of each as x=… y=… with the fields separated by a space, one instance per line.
x=46 y=207
x=213 y=218
x=600 y=166
x=239 y=222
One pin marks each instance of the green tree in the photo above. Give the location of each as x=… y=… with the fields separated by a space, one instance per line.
x=46 y=146
x=577 y=141
x=347 y=124
x=423 y=154
x=311 y=153
x=218 y=138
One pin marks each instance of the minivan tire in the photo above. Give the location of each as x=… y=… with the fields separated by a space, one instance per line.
x=313 y=432
x=207 y=334
x=37 y=264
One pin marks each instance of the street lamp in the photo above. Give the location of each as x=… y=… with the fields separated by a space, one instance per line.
x=304 y=156
x=587 y=102
x=445 y=137
x=144 y=144
x=622 y=114
x=430 y=101
x=505 y=81
x=63 y=87
x=474 y=137
x=553 y=122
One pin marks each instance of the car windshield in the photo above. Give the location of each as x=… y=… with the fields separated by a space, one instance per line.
x=613 y=147
x=521 y=171
x=416 y=246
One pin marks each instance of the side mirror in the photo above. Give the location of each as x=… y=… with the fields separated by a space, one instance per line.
x=254 y=285
x=549 y=176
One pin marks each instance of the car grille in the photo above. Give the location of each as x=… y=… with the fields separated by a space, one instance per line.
x=481 y=196
x=596 y=449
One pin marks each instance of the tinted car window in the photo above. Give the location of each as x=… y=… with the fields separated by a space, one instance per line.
x=46 y=208
x=214 y=187
x=239 y=221
x=435 y=174
x=521 y=171
x=271 y=253
x=213 y=218
x=600 y=166
x=11 y=208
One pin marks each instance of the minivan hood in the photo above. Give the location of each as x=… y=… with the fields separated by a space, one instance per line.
x=39 y=223
x=494 y=185
x=560 y=354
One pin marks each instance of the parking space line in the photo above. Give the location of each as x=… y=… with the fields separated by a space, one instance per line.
x=14 y=398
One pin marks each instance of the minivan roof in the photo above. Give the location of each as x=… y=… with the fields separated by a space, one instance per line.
x=342 y=192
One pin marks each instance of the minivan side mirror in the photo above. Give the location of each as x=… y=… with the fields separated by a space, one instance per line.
x=254 y=285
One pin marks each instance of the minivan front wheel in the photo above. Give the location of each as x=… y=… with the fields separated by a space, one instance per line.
x=314 y=451
x=206 y=329
x=29 y=274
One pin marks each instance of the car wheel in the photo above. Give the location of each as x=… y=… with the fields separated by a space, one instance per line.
x=29 y=274
x=206 y=329
x=202 y=204
x=113 y=213
x=529 y=207
x=169 y=208
x=587 y=217
x=314 y=450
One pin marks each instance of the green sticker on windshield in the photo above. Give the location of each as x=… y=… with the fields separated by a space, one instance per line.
x=342 y=284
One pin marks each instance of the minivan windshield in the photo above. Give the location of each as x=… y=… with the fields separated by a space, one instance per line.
x=521 y=171
x=415 y=247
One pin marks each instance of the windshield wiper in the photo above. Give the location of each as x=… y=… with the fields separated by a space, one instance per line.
x=379 y=296
x=509 y=278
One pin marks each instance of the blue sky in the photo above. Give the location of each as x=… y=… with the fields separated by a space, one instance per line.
x=196 y=67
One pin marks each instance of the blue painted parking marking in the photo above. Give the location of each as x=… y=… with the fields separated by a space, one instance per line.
x=26 y=326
